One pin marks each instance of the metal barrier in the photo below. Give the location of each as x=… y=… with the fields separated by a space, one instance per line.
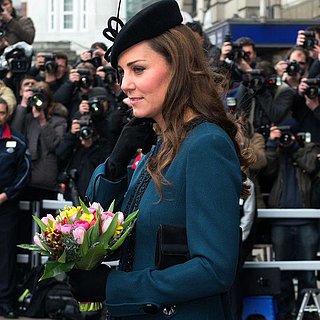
x=286 y=265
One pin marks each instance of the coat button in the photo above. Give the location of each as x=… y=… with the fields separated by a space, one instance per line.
x=150 y=308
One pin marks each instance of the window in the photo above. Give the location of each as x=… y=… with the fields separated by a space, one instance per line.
x=68 y=15
x=52 y=25
x=84 y=14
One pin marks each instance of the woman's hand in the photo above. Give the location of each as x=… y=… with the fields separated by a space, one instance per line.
x=89 y=286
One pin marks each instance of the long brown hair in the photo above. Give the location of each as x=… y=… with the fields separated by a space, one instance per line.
x=192 y=90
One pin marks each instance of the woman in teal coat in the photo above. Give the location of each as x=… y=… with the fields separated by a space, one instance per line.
x=191 y=177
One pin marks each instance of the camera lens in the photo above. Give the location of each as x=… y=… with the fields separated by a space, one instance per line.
x=85 y=132
x=37 y=100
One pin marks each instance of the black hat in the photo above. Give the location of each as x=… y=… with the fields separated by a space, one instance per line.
x=146 y=24
x=100 y=92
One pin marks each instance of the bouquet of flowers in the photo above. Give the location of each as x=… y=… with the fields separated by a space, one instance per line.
x=80 y=237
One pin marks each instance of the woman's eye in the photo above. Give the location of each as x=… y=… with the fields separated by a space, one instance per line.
x=138 y=69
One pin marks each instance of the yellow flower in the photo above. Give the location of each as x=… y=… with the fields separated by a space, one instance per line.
x=118 y=231
x=69 y=212
x=87 y=217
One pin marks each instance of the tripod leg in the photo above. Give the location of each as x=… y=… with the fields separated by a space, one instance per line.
x=304 y=303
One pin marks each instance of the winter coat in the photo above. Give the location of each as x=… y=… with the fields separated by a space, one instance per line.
x=43 y=142
x=203 y=195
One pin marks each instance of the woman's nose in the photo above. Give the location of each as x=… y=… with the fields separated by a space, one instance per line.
x=126 y=83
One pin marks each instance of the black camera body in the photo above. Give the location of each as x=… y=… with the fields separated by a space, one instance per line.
x=256 y=80
x=111 y=75
x=264 y=129
x=313 y=91
x=310 y=40
x=237 y=53
x=85 y=80
x=50 y=64
x=18 y=61
x=293 y=68
x=288 y=137
x=86 y=129
x=95 y=107
x=37 y=100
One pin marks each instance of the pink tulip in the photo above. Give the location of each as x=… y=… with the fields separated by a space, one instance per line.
x=82 y=223
x=66 y=228
x=106 y=223
x=97 y=205
x=46 y=219
x=78 y=234
x=120 y=217
x=38 y=242
x=106 y=214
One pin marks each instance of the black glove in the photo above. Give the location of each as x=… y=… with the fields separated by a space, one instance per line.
x=89 y=286
x=138 y=133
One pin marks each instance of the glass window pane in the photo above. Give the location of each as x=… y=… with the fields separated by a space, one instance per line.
x=67 y=22
x=68 y=5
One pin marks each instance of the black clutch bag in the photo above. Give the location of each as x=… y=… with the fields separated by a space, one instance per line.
x=172 y=246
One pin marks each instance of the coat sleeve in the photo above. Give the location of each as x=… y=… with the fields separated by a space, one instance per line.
x=23 y=28
x=212 y=190
x=23 y=171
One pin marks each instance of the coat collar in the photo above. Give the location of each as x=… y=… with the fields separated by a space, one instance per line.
x=6 y=132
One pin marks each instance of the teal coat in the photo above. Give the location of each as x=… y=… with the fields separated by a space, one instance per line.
x=204 y=195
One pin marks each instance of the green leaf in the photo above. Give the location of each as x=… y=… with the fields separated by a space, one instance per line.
x=130 y=218
x=111 y=207
x=120 y=240
x=41 y=224
x=105 y=237
x=92 y=259
x=33 y=247
x=84 y=207
x=63 y=257
x=93 y=233
x=85 y=245
x=53 y=268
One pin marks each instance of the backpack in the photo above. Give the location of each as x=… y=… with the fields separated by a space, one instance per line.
x=49 y=298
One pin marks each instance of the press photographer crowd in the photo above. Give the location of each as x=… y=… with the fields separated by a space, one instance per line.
x=60 y=119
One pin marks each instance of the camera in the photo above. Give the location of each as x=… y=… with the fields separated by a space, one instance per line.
x=313 y=91
x=264 y=129
x=293 y=68
x=50 y=64
x=95 y=107
x=288 y=137
x=37 y=100
x=310 y=40
x=256 y=80
x=2 y=32
x=111 y=75
x=237 y=53
x=17 y=60
x=86 y=130
x=85 y=80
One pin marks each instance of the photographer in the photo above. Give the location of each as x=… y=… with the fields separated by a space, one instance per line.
x=263 y=99
x=306 y=108
x=51 y=67
x=81 y=81
x=44 y=123
x=290 y=156
x=239 y=57
x=16 y=28
x=294 y=67
x=309 y=39
x=106 y=113
x=79 y=153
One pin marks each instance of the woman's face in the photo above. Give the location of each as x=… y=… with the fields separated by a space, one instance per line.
x=146 y=77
